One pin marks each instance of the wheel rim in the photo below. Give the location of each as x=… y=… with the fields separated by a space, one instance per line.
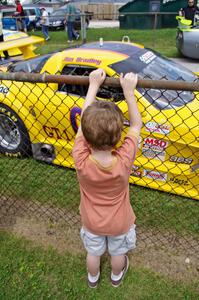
x=10 y=137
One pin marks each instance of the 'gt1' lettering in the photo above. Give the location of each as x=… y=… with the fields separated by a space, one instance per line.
x=55 y=133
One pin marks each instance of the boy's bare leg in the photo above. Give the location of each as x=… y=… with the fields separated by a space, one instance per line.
x=93 y=264
x=117 y=264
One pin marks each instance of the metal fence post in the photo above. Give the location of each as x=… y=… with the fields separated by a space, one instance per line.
x=154 y=28
x=83 y=28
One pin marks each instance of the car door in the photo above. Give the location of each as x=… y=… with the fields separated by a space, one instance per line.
x=58 y=113
x=68 y=100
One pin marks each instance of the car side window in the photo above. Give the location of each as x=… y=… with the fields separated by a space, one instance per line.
x=8 y=14
x=104 y=92
x=76 y=89
x=32 y=12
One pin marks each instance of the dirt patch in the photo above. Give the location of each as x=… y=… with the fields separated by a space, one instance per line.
x=165 y=260
x=165 y=253
x=56 y=235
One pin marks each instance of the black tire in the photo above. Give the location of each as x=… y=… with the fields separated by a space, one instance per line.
x=14 y=137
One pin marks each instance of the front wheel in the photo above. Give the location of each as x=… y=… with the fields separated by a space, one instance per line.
x=14 y=138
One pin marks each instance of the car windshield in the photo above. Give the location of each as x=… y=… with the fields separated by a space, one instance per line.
x=33 y=65
x=58 y=13
x=151 y=65
x=62 y=12
x=8 y=13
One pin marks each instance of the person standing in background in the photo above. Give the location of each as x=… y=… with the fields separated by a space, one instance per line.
x=69 y=23
x=189 y=11
x=2 y=38
x=20 y=16
x=45 y=23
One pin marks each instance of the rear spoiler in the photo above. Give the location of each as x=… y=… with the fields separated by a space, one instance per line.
x=21 y=46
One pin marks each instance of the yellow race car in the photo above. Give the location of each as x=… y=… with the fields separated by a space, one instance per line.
x=19 y=46
x=42 y=119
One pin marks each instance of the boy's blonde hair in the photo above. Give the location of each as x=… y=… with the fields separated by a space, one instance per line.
x=102 y=124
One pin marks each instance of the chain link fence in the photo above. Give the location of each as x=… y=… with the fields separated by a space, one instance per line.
x=39 y=117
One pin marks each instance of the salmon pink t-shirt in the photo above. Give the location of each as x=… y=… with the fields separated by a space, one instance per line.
x=105 y=207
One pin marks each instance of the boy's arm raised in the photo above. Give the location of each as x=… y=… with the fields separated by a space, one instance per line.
x=96 y=78
x=128 y=83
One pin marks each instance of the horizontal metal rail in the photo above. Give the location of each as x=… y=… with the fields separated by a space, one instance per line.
x=100 y=14
x=112 y=82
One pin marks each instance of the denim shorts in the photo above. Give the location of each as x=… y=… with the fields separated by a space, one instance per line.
x=117 y=245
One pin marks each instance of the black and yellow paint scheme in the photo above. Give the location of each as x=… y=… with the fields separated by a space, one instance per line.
x=42 y=119
x=19 y=43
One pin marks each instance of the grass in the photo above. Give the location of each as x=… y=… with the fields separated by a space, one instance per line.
x=31 y=273
x=31 y=180
x=162 y=40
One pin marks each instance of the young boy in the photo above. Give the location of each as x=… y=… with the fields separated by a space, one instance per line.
x=103 y=173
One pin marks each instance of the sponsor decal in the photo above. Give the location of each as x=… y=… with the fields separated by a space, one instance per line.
x=180 y=159
x=179 y=181
x=157 y=128
x=94 y=61
x=4 y=89
x=147 y=57
x=69 y=59
x=154 y=148
x=155 y=175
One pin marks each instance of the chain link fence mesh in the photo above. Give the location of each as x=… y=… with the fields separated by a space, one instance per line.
x=38 y=124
